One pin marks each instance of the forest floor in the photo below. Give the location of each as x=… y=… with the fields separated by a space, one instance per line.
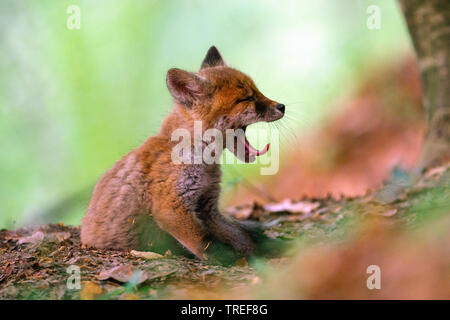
x=35 y=261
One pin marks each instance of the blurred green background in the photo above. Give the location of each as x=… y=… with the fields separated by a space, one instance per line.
x=72 y=102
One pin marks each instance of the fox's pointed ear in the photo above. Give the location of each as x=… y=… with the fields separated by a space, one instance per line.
x=212 y=59
x=185 y=87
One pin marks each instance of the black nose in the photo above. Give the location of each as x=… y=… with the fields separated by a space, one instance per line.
x=280 y=107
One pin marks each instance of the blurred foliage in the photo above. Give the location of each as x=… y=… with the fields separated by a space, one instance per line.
x=72 y=102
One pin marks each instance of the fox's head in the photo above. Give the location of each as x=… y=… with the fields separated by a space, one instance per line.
x=223 y=98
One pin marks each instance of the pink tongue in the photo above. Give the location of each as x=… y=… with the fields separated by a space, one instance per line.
x=254 y=151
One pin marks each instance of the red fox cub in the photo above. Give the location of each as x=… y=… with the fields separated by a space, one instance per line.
x=145 y=196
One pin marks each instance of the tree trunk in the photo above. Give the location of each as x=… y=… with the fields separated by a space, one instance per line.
x=429 y=26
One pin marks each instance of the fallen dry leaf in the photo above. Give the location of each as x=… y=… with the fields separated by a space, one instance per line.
x=123 y=273
x=437 y=171
x=146 y=254
x=35 y=239
x=90 y=291
x=129 y=296
x=240 y=212
x=378 y=209
x=61 y=236
x=390 y=213
x=292 y=207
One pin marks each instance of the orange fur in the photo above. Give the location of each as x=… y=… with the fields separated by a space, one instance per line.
x=145 y=194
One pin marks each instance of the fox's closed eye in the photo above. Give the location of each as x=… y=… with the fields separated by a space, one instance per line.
x=251 y=98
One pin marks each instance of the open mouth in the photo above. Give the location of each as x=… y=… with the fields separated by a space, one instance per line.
x=243 y=150
x=249 y=149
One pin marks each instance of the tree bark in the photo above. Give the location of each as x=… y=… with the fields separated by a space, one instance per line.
x=429 y=26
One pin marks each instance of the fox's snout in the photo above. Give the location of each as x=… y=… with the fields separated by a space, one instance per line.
x=280 y=107
x=278 y=111
x=273 y=112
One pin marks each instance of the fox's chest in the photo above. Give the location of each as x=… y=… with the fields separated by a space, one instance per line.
x=199 y=186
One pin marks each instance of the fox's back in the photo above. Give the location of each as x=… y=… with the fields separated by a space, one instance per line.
x=122 y=197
